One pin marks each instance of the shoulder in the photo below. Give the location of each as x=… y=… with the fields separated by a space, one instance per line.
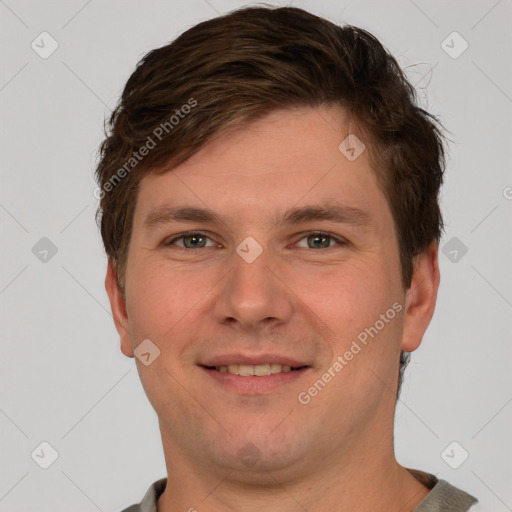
x=443 y=496
x=449 y=497
x=150 y=499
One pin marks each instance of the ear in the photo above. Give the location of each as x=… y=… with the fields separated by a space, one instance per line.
x=420 y=299
x=118 y=307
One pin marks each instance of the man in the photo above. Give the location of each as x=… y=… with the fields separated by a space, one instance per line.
x=269 y=208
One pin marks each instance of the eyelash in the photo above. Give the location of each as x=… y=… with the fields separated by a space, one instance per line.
x=338 y=240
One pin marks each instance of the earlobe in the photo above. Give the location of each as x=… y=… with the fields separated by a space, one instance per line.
x=118 y=307
x=421 y=298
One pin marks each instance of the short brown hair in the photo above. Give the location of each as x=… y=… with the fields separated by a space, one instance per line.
x=239 y=67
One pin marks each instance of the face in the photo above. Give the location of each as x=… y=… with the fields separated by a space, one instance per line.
x=295 y=264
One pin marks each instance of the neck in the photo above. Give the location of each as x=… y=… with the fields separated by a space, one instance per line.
x=377 y=483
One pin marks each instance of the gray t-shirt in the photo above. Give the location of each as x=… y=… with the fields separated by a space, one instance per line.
x=442 y=497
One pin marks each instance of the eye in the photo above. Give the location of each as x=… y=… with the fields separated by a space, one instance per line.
x=191 y=240
x=199 y=240
x=320 y=240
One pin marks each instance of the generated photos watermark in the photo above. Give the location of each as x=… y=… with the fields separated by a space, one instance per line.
x=151 y=142
x=305 y=397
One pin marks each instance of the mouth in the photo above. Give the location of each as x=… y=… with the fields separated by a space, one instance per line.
x=254 y=370
x=253 y=375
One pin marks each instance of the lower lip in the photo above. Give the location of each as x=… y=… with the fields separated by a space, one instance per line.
x=253 y=385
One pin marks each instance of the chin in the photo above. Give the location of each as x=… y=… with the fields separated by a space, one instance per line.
x=254 y=454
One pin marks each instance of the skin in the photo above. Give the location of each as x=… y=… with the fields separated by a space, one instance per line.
x=310 y=303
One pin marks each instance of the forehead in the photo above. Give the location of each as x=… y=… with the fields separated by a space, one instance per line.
x=285 y=159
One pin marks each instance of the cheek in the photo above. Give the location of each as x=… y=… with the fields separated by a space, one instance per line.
x=364 y=313
x=365 y=328
x=350 y=297
x=160 y=297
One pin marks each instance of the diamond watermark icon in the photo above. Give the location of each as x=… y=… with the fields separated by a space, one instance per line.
x=44 y=249
x=352 y=147
x=454 y=45
x=454 y=455
x=249 y=454
x=146 y=352
x=44 y=45
x=249 y=249
x=44 y=455
x=454 y=249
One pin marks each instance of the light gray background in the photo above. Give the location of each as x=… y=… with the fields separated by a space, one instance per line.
x=63 y=379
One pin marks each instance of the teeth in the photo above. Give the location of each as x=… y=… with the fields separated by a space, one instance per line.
x=233 y=368
x=249 y=370
x=261 y=369
x=275 y=368
x=245 y=370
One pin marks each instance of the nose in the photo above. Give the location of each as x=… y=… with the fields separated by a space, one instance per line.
x=254 y=294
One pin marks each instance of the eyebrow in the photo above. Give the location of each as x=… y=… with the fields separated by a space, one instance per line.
x=341 y=214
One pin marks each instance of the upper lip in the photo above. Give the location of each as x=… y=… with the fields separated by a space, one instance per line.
x=252 y=359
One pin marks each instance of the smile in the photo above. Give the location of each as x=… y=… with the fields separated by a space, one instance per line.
x=256 y=370
x=258 y=379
